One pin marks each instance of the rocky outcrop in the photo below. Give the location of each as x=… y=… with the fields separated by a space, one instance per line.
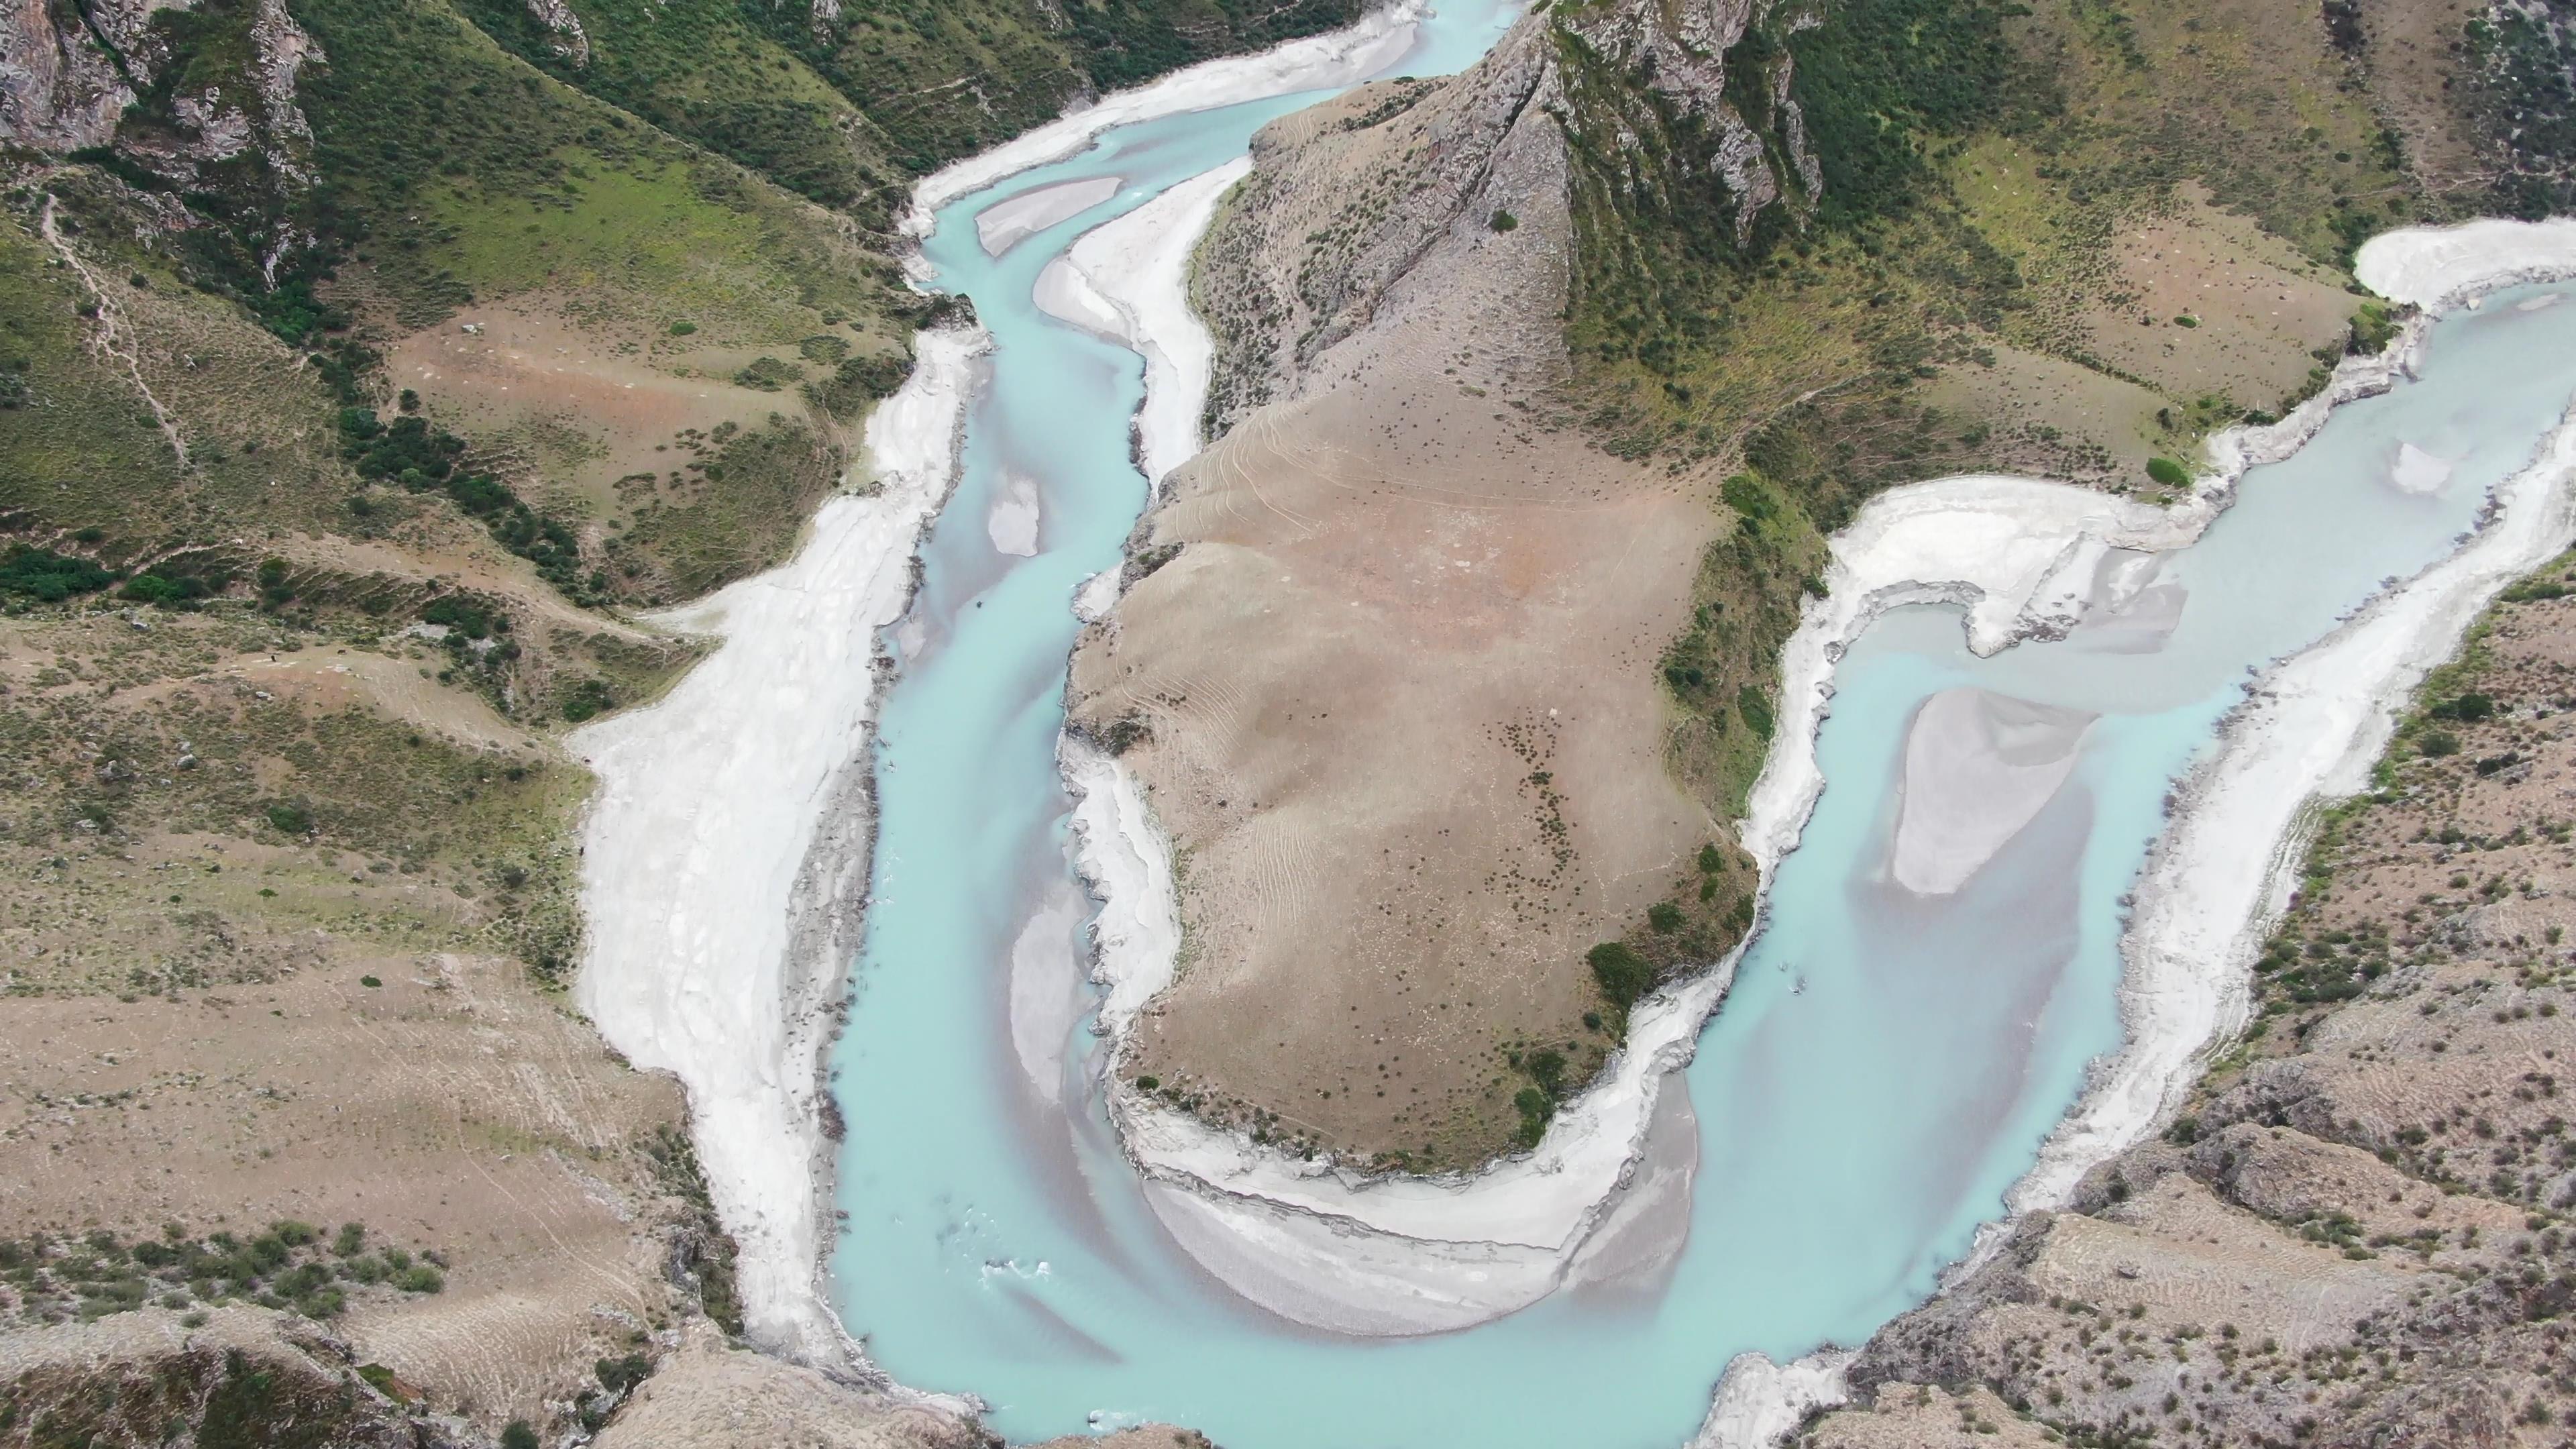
x=1344 y=202
x=102 y=83
x=60 y=89
x=572 y=42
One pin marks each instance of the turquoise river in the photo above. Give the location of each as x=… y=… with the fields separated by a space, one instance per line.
x=1883 y=1070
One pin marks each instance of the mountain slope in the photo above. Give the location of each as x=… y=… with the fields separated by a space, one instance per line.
x=359 y=360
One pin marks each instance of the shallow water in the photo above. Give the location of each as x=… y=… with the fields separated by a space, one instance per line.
x=1884 y=1069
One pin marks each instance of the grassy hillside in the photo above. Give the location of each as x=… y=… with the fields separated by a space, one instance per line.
x=2052 y=237
x=845 y=109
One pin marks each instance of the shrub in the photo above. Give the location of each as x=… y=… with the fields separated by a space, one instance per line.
x=683 y=329
x=1664 y=917
x=289 y=818
x=1547 y=1068
x=2467 y=709
x=517 y=1435
x=2168 y=472
x=1746 y=495
x=1755 y=709
x=768 y=374
x=50 y=577
x=1505 y=221
x=586 y=699
x=617 y=1374
x=1710 y=860
x=420 y=1278
x=2437 y=743
x=1535 y=1107
x=462 y=615
x=1624 y=975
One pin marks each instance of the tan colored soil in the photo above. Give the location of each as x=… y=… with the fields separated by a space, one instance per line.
x=585 y=406
x=2259 y=307
x=452 y=1109
x=1406 y=731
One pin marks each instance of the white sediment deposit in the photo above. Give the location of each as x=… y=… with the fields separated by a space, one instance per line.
x=1005 y=224
x=722 y=858
x=1128 y=280
x=1012 y=522
x=1978 y=768
x=2417 y=471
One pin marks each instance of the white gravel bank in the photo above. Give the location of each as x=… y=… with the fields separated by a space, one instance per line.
x=726 y=850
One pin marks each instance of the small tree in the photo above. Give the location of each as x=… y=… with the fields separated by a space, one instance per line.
x=1623 y=974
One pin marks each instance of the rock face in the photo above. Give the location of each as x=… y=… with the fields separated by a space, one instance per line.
x=65 y=87
x=1683 y=47
x=59 y=86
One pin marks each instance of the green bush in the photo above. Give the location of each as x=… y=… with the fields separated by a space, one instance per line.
x=1505 y=221
x=587 y=698
x=616 y=1374
x=768 y=374
x=2438 y=743
x=1535 y=1107
x=50 y=577
x=1624 y=975
x=1755 y=709
x=1664 y=917
x=2168 y=472
x=1547 y=1068
x=517 y=1435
